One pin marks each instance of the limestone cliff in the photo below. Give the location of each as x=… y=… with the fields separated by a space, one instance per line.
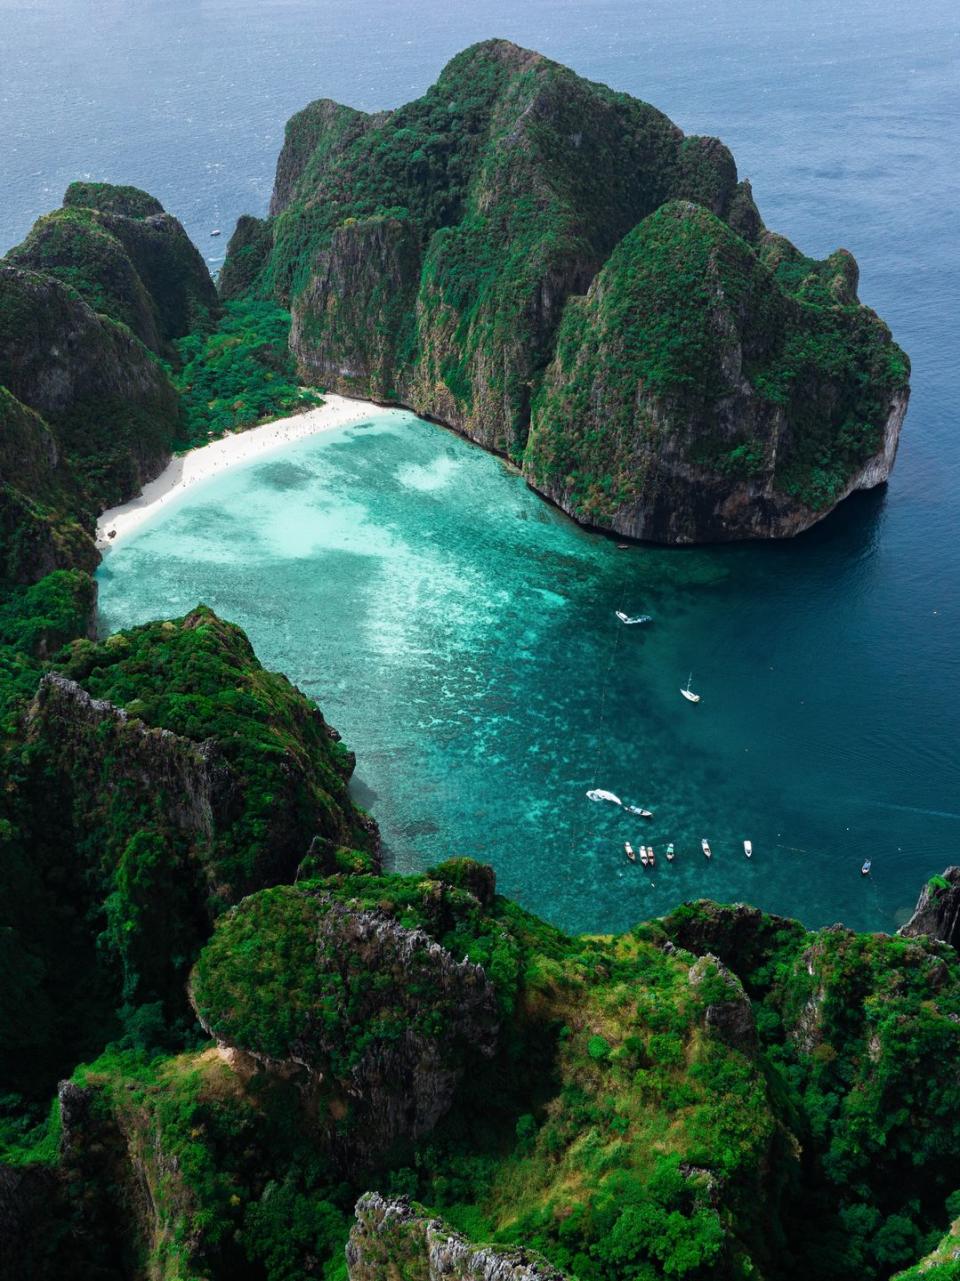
x=127 y=258
x=937 y=913
x=108 y=401
x=378 y=1020
x=493 y=256
x=395 y=1238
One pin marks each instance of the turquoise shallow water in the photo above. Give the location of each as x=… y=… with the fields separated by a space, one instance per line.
x=462 y=635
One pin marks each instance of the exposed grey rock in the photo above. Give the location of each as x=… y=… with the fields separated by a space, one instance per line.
x=730 y=1020
x=398 y=1238
x=938 y=911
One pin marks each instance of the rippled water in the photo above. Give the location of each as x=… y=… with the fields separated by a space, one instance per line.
x=460 y=632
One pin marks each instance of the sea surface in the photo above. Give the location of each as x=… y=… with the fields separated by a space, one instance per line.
x=460 y=632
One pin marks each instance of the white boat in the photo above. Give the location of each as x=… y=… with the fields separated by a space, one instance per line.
x=629 y=851
x=639 y=810
x=670 y=852
x=865 y=870
x=651 y=856
x=215 y=232
x=688 y=693
x=644 y=856
x=640 y=618
x=598 y=794
x=748 y=848
x=705 y=846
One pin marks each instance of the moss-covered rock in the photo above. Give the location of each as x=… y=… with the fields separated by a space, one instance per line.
x=693 y=397
x=713 y=384
x=112 y=409
x=127 y=258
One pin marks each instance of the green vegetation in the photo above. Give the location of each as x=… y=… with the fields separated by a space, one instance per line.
x=685 y=318
x=240 y=375
x=440 y=254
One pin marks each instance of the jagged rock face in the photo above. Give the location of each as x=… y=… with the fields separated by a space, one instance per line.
x=37 y=536
x=937 y=913
x=112 y=409
x=177 y=793
x=374 y=1017
x=729 y=1018
x=127 y=258
x=691 y=399
x=394 y=1238
x=446 y=255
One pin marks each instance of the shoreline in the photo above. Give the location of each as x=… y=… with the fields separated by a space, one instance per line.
x=210 y=460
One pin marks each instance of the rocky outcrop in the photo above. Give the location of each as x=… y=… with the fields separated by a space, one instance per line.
x=37 y=533
x=493 y=256
x=373 y=1018
x=111 y=407
x=394 y=1238
x=127 y=258
x=729 y=1014
x=937 y=913
x=691 y=399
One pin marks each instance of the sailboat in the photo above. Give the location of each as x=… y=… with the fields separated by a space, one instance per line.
x=670 y=852
x=705 y=846
x=688 y=693
x=629 y=851
x=599 y=794
x=748 y=848
x=639 y=618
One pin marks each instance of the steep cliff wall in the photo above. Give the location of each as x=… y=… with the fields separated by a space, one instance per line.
x=112 y=408
x=379 y=1020
x=446 y=255
x=127 y=259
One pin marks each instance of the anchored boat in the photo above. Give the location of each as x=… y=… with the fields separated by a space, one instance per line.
x=630 y=622
x=670 y=852
x=705 y=846
x=748 y=848
x=644 y=856
x=688 y=693
x=865 y=870
x=639 y=810
x=651 y=856
x=629 y=851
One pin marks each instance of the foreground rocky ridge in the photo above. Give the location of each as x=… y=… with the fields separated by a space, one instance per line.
x=554 y=270
x=685 y=1100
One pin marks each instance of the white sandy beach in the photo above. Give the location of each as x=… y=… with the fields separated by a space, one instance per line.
x=239 y=447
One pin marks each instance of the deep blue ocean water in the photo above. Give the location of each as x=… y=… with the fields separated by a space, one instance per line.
x=457 y=630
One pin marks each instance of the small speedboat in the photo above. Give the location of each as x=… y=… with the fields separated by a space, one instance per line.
x=629 y=851
x=598 y=794
x=705 y=846
x=688 y=693
x=639 y=811
x=670 y=852
x=651 y=856
x=215 y=232
x=865 y=870
x=644 y=856
x=748 y=848
x=638 y=618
